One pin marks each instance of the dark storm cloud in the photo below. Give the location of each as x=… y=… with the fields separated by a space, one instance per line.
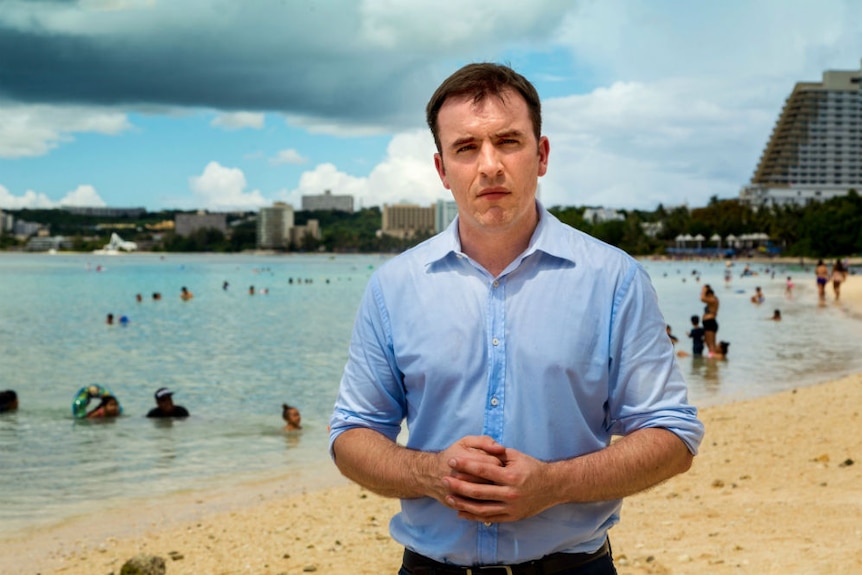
x=63 y=69
x=341 y=60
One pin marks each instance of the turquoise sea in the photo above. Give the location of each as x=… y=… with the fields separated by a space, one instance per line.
x=233 y=359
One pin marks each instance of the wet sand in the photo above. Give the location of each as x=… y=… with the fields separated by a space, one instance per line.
x=776 y=488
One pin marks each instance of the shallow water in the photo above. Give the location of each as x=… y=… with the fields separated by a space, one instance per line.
x=233 y=359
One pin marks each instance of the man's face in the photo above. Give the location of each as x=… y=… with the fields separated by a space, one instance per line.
x=491 y=162
x=166 y=403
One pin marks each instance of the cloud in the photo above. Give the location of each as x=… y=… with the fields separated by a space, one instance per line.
x=34 y=130
x=30 y=199
x=239 y=120
x=223 y=189
x=358 y=62
x=83 y=196
x=406 y=174
x=638 y=144
x=290 y=156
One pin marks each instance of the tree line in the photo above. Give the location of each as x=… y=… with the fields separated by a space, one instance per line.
x=818 y=229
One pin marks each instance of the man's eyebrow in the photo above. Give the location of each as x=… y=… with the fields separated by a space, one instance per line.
x=470 y=139
x=461 y=141
x=509 y=133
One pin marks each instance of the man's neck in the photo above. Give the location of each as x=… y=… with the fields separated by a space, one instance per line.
x=495 y=251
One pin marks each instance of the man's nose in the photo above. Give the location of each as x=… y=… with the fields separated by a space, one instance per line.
x=489 y=160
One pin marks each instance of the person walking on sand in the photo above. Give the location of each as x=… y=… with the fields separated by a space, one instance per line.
x=710 y=323
x=822 y=274
x=839 y=274
x=544 y=344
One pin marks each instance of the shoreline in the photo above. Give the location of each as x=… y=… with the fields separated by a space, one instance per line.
x=770 y=492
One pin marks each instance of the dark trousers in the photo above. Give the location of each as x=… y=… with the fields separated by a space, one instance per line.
x=601 y=566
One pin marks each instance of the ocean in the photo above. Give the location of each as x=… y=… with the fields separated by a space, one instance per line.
x=233 y=359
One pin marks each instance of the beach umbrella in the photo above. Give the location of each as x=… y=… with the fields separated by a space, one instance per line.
x=680 y=240
x=699 y=238
x=716 y=238
x=687 y=238
x=731 y=240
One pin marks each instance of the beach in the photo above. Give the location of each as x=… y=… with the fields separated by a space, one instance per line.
x=776 y=488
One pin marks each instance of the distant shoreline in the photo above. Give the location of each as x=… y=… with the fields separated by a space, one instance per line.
x=854 y=261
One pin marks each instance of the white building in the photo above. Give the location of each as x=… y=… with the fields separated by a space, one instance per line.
x=327 y=201
x=599 y=215
x=815 y=150
x=274 y=226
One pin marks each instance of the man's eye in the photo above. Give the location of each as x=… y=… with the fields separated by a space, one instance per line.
x=466 y=148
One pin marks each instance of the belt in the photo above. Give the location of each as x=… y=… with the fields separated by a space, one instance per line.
x=418 y=564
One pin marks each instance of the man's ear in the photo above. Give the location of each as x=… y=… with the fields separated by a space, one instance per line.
x=441 y=170
x=544 y=152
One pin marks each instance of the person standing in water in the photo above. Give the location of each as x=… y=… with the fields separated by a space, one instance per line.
x=822 y=274
x=710 y=323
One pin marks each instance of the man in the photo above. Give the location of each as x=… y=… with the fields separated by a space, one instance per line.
x=165 y=405
x=515 y=347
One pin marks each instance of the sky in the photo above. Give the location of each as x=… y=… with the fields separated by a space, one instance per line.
x=228 y=105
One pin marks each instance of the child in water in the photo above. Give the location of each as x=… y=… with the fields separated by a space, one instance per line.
x=292 y=417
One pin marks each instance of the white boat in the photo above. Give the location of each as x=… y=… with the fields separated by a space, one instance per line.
x=116 y=245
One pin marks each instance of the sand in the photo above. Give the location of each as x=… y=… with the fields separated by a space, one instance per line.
x=776 y=488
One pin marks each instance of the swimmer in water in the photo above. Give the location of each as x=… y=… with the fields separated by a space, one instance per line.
x=109 y=407
x=292 y=417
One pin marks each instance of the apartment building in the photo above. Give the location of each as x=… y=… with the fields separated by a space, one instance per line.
x=815 y=149
x=405 y=220
x=327 y=201
x=274 y=226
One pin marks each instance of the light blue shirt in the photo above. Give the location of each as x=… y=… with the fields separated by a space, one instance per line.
x=564 y=349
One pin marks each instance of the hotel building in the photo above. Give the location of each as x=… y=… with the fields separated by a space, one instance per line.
x=815 y=150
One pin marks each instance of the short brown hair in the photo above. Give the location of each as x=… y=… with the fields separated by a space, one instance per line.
x=480 y=81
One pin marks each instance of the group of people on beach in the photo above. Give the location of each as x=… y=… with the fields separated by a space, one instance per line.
x=706 y=335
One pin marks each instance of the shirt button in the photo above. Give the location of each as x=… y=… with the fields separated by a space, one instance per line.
x=494 y=401
x=495 y=341
x=496 y=283
x=488 y=523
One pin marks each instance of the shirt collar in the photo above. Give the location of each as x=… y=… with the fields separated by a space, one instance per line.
x=546 y=238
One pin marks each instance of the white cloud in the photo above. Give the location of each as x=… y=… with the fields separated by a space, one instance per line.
x=221 y=188
x=406 y=175
x=633 y=145
x=290 y=156
x=239 y=120
x=30 y=199
x=83 y=196
x=34 y=130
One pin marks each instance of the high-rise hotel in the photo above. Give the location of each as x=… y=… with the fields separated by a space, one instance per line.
x=815 y=150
